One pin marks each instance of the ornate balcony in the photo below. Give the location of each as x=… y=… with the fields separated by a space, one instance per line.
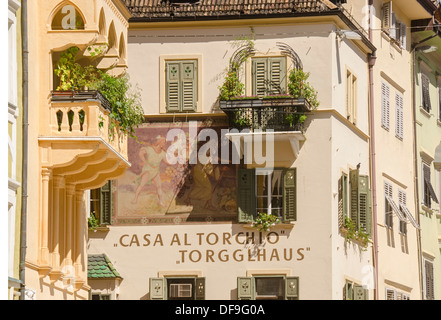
x=81 y=147
x=278 y=118
x=266 y=114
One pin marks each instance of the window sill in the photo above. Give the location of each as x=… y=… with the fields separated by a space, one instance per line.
x=344 y=232
x=100 y=229
x=282 y=225
x=395 y=43
x=424 y=112
x=426 y=208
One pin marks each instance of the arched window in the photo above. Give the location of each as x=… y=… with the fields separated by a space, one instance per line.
x=68 y=17
x=102 y=23
x=122 y=47
x=112 y=37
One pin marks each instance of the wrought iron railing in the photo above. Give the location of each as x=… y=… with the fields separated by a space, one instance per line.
x=82 y=95
x=266 y=114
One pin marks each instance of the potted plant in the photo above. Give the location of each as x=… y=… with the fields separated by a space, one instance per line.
x=265 y=221
x=299 y=87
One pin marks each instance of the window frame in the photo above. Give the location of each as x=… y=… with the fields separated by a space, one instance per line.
x=269 y=174
x=388 y=214
x=290 y=286
x=104 y=212
x=163 y=60
x=385 y=105
x=351 y=96
x=428 y=293
x=399 y=115
x=425 y=93
x=284 y=78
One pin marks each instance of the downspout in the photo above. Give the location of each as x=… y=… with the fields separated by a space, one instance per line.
x=372 y=58
x=416 y=193
x=23 y=226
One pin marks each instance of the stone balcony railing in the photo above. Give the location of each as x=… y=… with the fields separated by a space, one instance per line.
x=84 y=114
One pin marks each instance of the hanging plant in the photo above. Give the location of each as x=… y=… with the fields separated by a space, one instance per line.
x=265 y=221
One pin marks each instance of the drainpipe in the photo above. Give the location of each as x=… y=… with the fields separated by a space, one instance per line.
x=23 y=227
x=372 y=58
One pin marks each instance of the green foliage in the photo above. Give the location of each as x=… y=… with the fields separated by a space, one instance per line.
x=72 y=75
x=93 y=222
x=265 y=221
x=126 y=112
x=232 y=86
x=295 y=118
x=126 y=102
x=299 y=87
x=354 y=234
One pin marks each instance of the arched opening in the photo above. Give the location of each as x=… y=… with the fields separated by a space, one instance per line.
x=112 y=37
x=102 y=23
x=122 y=47
x=68 y=17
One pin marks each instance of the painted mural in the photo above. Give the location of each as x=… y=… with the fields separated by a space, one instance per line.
x=153 y=191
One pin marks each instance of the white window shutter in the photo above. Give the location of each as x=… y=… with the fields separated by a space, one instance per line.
x=385 y=105
x=403 y=36
x=387 y=16
x=399 y=126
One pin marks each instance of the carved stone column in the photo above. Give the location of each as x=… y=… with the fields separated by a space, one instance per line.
x=44 y=218
x=79 y=239
x=68 y=231
x=56 y=212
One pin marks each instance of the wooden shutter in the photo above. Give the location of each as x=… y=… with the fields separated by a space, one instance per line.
x=259 y=76
x=387 y=206
x=385 y=105
x=390 y=294
x=428 y=268
x=342 y=200
x=403 y=35
x=289 y=194
x=173 y=87
x=157 y=288
x=353 y=182
x=387 y=16
x=200 y=289
x=292 y=288
x=246 y=195
x=188 y=85
x=360 y=293
x=106 y=203
x=399 y=129
x=364 y=205
x=393 y=27
x=348 y=292
x=425 y=84
x=245 y=288
x=276 y=75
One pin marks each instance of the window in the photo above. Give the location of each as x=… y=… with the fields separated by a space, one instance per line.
x=354 y=201
x=385 y=106
x=392 y=294
x=351 y=97
x=402 y=203
x=353 y=291
x=101 y=203
x=181 y=85
x=267 y=191
x=99 y=296
x=392 y=26
x=68 y=18
x=274 y=287
x=268 y=76
x=399 y=121
x=428 y=191
x=425 y=92
x=185 y=288
x=428 y=285
x=388 y=205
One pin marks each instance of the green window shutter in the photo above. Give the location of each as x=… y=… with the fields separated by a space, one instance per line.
x=259 y=73
x=200 y=289
x=189 y=85
x=173 y=86
x=157 y=289
x=425 y=84
x=290 y=195
x=360 y=293
x=348 y=293
x=292 y=288
x=276 y=75
x=246 y=195
x=353 y=181
x=106 y=203
x=364 y=205
x=342 y=200
x=245 y=288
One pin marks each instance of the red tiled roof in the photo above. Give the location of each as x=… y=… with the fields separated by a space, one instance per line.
x=171 y=9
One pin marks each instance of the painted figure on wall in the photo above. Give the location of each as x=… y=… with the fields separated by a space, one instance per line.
x=155 y=191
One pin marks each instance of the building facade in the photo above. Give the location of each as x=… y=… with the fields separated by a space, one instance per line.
x=180 y=226
x=14 y=145
x=426 y=81
x=69 y=145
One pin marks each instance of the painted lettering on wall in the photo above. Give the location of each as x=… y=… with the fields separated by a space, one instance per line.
x=218 y=247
